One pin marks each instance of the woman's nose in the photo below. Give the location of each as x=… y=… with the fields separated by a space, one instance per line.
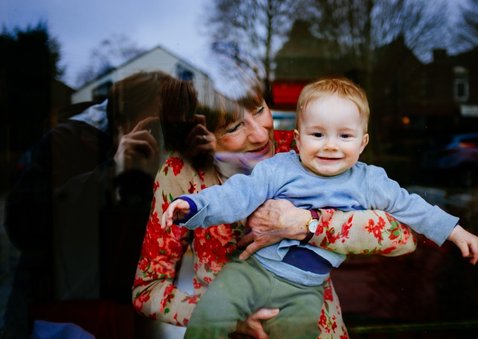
x=257 y=132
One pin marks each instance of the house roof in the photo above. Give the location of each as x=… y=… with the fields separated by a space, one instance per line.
x=142 y=55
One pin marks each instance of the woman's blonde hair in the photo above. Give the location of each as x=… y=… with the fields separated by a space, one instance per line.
x=340 y=86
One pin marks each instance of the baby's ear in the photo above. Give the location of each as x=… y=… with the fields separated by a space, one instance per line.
x=297 y=138
x=365 y=139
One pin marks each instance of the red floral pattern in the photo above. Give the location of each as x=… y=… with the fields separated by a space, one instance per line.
x=175 y=163
x=214 y=246
x=376 y=228
x=284 y=141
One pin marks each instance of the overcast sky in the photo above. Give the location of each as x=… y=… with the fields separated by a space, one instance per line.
x=80 y=25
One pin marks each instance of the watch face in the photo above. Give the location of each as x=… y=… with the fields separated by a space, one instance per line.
x=313 y=225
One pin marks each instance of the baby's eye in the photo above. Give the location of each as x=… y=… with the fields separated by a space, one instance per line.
x=345 y=136
x=318 y=135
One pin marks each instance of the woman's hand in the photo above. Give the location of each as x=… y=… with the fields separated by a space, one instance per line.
x=273 y=221
x=252 y=326
x=138 y=149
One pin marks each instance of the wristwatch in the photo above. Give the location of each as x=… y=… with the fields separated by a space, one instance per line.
x=311 y=225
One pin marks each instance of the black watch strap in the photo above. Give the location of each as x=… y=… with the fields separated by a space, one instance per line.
x=315 y=215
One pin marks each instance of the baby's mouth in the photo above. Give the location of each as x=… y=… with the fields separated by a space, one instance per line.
x=328 y=158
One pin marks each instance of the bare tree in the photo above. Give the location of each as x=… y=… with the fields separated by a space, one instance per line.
x=109 y=54
x=360 y=26
x=468 y=25
x=245 y=35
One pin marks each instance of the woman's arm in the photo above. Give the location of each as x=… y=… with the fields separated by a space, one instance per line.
x=154 y=292
x=356 y=232
x=363 y=232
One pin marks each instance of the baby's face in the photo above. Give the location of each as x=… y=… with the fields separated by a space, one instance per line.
x=331 y=135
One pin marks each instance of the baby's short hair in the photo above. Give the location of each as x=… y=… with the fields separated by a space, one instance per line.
x=340 y=86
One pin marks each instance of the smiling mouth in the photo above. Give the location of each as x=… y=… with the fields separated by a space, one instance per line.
x=328 y=158
x=261 y=149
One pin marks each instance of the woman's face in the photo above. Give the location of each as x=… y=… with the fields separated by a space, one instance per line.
x=253 y=134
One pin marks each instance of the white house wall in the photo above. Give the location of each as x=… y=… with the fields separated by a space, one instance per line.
x=156 y=59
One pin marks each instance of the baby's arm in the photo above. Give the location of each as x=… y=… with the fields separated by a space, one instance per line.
x=177 y=210
x=467 y=243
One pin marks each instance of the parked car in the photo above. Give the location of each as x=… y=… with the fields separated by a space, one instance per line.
x=455 y=157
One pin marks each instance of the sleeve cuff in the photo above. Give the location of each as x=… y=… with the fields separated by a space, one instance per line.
x=193 y=209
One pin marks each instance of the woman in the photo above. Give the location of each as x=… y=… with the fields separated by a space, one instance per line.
x=242 y=139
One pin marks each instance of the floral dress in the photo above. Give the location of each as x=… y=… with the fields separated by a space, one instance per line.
x=155 y=294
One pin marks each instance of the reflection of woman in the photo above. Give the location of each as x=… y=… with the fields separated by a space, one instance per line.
x=88 y=185
x=155 y=294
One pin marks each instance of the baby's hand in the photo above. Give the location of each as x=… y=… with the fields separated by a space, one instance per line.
x=177 y=210
x=466 y=242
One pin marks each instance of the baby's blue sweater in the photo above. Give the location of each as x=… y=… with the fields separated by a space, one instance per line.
x=283 y=177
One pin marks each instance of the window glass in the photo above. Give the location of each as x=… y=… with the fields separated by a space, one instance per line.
x=416 y=60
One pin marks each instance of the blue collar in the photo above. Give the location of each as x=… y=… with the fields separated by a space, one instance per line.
x=95 y=116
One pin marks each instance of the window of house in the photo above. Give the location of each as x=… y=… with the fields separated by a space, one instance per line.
x=184 y=73
x=460 y=84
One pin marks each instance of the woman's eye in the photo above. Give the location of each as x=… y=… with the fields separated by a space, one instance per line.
x=233 y=128
x=260 y=110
